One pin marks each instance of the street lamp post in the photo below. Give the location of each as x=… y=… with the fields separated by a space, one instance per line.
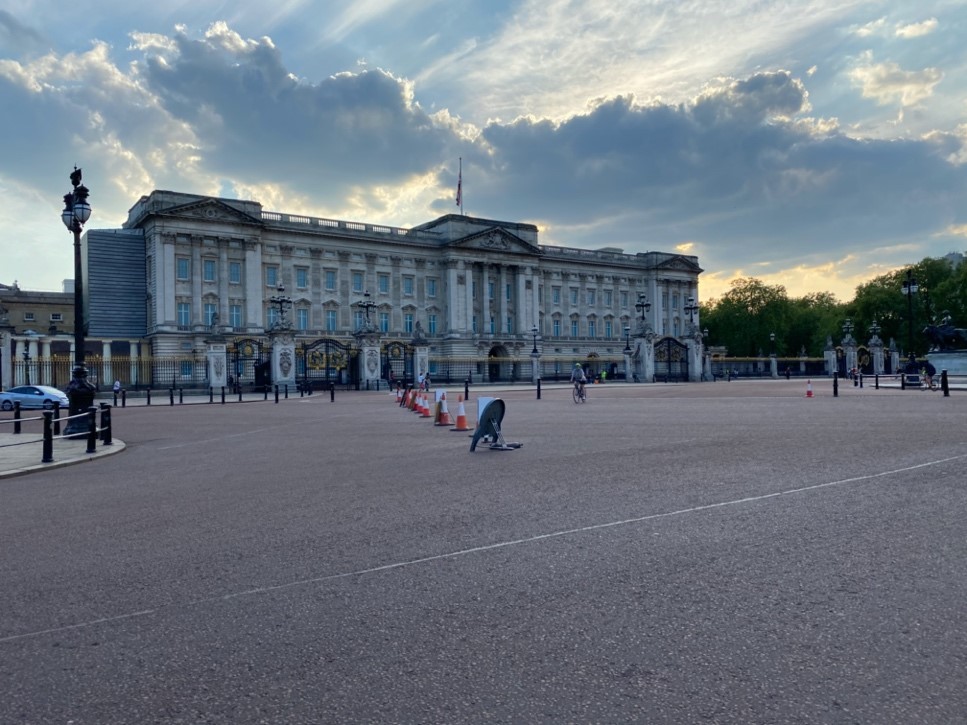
x=26 y=356
x=691 y=307
x=627 y=340
x=80 y=390
x=909 y=289
x=534 y=332
x=772 y=343
x=283 y=302
x=643 y=306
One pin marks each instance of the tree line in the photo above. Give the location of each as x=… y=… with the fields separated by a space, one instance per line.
x=743 y=319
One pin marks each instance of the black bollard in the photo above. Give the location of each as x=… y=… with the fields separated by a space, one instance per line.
x=861 y=380
x=265 y=392
x=115 y=400
x=171 y=396
x=16 y=417
x=538 y=388
x=903 y=381
x=276 y=394
x=239 y=393
x=48 y=452
x=56 y=419
x=876 y=381
x=106 y=425
x=211 y=394
x=836 y=385
x=223 y=395
x=944 y=384
x=91 y=430
x=466 y=389
x=332 y=392
x=149 y=396
x=181 y=396
x=286 y=391
x=124 y=398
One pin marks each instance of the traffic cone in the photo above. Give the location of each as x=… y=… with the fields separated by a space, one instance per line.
x=411 y=400
x=461 y=417
x=418 y=402
x=442 y=414
x=809 y=388
x=425 y=413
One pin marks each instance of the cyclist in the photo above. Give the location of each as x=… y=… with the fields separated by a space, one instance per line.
x=578 y=378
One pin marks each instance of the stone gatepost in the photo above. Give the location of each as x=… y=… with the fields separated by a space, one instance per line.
x=773 y=366
x=644 y=353
x=694 y=345
x=367 y=340
x=421 y=352
x=535 y=367
x=283 y=356
x=876 y=347
x=829 y=353
x=217 y=354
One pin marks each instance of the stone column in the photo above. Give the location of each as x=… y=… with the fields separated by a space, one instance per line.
x=134 y=358
x=106 y=365
x=643 y=355
x=693 y=343
x=502 y=310
x=6 y=369
x=254 y=316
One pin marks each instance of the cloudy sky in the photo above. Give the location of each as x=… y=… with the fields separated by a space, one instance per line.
x=809 y=143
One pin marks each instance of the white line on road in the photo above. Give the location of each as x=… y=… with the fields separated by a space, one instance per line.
x=487 y=547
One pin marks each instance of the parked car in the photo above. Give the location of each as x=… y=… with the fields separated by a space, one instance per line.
x=32 y=396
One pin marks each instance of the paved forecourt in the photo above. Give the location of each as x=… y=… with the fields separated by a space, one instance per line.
x=732 y=552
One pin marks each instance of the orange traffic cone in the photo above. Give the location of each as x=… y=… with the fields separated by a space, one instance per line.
x=418 y=402
x=425 y=413
x=442 y=414
x=809 y=388
x=461 y=417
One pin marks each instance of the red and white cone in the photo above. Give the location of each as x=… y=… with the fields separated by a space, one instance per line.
x=443 y=415
x=809 y=388
x=461 y=418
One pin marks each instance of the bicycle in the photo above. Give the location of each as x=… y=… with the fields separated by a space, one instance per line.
x=580 y=393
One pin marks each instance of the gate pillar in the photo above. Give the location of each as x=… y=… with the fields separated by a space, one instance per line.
x=283 y=356
x=421 y=351
x=367 y=341
x=694 y=344
x=217 y=364
x=644 y=355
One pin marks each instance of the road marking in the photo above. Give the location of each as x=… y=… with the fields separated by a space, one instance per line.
x=478 y=549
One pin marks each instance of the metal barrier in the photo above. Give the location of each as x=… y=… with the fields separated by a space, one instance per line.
x=51 y=429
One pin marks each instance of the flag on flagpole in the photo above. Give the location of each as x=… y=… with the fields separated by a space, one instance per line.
x=460 y=185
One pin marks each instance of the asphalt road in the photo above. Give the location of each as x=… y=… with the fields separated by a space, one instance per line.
x=713 y=553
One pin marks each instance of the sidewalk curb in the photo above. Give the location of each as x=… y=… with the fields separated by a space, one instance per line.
x=116 y=447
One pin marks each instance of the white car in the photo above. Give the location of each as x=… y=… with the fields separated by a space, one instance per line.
x=33 y=396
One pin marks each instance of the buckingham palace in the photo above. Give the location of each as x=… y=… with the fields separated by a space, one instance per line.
x=458 y=296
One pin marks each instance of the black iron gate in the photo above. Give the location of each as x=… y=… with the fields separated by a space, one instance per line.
x=327 y=361
x=397 y=362
x=671 y=360
x=250 y=364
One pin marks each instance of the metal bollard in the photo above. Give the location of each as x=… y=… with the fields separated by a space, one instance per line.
x=944 y=384
x=332 y=392
x=286 y=391
x=124 y=398
x=181 y=396
x=48 y=452
x=16 y=417
x=265 y=392
x=56 y=419
x=106 y=425
x=91 y=430
x=276 y=394
x=211 y=394
x=171 y=396
x=903 y=381
x=861 y=380
x=836 y=385
x=538 y=388
x=115 y=399
x=239 y=393
x=149 y=396
x=466 y=389
x=223 y=395
x=876 y=381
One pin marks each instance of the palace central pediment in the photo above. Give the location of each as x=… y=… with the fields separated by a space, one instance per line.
x=211 y=210
x=496 y=240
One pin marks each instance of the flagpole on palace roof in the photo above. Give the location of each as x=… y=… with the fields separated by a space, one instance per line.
x=460 y=187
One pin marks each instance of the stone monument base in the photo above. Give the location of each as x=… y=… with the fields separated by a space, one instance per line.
x=953 y=361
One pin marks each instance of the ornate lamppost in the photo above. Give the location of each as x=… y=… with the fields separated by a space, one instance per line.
x=283 y=303
x=80 y=390
x=909 y=289
x=534 y=332
x=26 y=356
x=627 y=350
x=691 y=307
x=643 y=306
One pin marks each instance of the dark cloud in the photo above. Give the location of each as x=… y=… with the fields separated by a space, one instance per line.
x=255 y=120
x=17 y=38
x=729 y=170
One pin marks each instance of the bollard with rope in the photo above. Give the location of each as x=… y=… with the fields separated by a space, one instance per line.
x=91 y=430
x=48 y=453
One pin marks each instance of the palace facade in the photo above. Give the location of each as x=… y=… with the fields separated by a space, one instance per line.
x=185 y=267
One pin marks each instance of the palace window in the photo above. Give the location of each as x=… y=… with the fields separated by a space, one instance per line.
x=210 y=310
x=330 y=320
x=556 y=295
x=302 y=318
x=184 y=314
x=235 y=272
x=235 y=315
x=357 y=282
x=272 y=276
x=408 y=323
x=574 y=328
x=431 y=287
x=384 y=321
x=574 y=295
x=383 y=284
x=208 y=270
x=431 y=324
x=408 y=286
x=301 y=277
x=557 y=328
x=183 y=267
x=330 y=280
